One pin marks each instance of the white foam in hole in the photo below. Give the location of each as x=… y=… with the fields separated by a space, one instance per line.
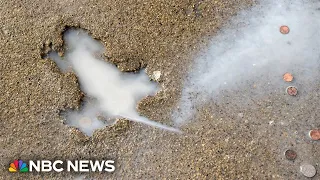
x=116 y=93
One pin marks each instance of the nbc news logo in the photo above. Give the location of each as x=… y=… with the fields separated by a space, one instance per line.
x=59 y=166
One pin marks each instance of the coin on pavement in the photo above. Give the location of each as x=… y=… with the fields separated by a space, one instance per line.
x=290 y=154
x=308 y=170
x=284 y=29
x=314 y=134
x=287 y=77
x=292 y=91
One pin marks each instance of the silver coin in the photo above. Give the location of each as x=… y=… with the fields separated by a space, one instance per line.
x=308 y=170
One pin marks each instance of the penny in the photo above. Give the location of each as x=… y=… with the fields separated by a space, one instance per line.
x=308 y=170
x=287 y=77
x=85 y=121
x=290 y=154
x=284 y=29
x=314 y=134
x=292 y=91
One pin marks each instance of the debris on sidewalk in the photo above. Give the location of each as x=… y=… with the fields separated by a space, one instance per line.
x=156 y=75
x=292 y=91
x=284 y=29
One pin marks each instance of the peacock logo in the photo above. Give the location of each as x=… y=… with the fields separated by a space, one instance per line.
x=18 y=166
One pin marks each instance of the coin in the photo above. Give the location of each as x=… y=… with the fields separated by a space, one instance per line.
x=290 y=154
x=292 y=91
x=287 y=77
x=284 y=29
x=85 y=121
x=314 y=134
x=308 y=170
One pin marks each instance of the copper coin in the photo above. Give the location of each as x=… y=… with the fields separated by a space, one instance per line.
x=292 y=91
x=85 y=121
x=290 y=154
x=284 y=29
x=287 y=77
x=314 y=134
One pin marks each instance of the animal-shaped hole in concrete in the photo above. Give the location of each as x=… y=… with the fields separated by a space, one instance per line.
x=113 y=94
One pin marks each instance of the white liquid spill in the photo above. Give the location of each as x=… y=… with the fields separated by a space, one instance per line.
x=116 y=93
x=89 y=118
x=256 y=52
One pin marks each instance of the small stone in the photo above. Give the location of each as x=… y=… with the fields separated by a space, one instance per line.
x=241 y=115
x=308 y=170
x=60 y=53
x=156 y=75
x=290 y=154
x=47 y=43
